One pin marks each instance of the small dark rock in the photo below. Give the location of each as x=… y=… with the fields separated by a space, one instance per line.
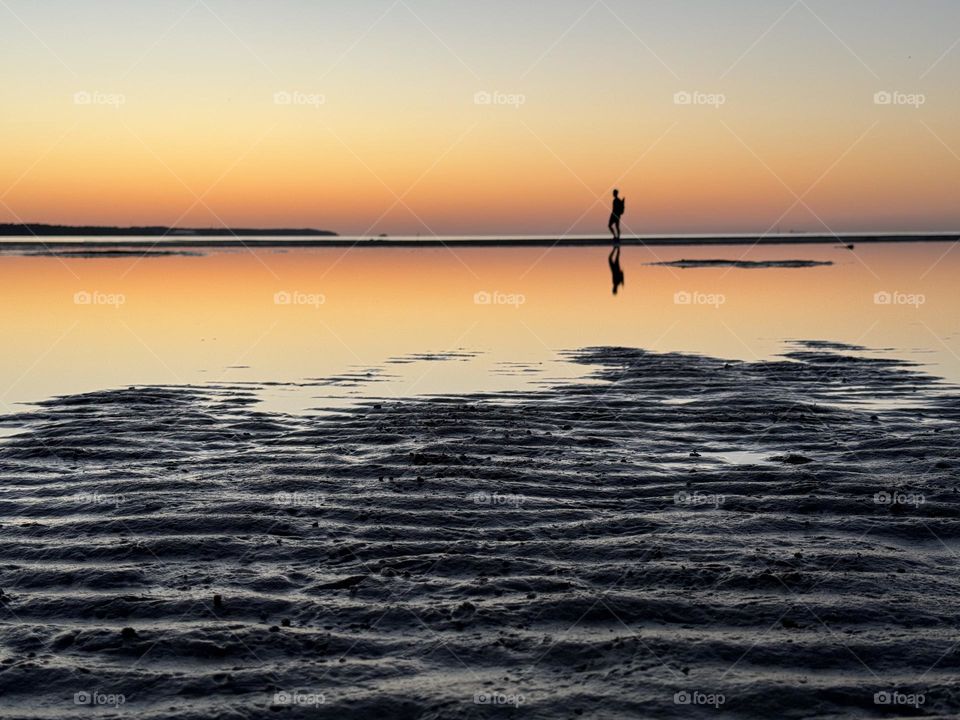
x=464 y=611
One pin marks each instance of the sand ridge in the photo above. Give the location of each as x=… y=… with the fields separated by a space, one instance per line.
x=687 y=537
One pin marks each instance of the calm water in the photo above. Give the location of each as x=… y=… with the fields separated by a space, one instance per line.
x=397 y=322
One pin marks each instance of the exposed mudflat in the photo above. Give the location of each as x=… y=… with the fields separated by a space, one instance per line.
x=687 y=537
x=743 y=264
x=112 y=253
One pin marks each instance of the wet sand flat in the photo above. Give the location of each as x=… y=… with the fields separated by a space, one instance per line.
x=681 y=537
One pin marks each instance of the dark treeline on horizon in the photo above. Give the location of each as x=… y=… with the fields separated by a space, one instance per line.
x=42 y=230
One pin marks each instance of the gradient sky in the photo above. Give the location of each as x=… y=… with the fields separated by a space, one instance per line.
x=399 y=146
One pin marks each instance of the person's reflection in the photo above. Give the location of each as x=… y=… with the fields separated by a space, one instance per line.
x=615 y=270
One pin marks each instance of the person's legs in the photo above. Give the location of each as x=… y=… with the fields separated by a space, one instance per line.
x=614 y=226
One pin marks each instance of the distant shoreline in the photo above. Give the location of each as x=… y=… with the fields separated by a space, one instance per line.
x=320 y=239
x=39 y=230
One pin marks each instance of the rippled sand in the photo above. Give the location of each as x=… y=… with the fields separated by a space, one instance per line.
x=685 y=538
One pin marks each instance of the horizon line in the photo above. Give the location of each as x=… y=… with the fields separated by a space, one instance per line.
x=261 y=239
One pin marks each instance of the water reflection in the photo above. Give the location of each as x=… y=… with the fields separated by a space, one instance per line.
x=615 y=270
x=467 y=319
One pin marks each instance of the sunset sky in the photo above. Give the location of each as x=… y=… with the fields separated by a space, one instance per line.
x=482 y=117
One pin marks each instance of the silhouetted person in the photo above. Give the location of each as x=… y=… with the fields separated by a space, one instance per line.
x=615 y=270
x=619 y=207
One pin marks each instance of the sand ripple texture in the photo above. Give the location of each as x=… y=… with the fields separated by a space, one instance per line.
x=679 y=537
